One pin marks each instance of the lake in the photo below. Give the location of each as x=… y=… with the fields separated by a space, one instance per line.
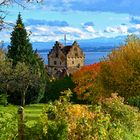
x=90 y=57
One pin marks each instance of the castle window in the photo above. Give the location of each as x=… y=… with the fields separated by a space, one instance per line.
x=78 y=66
x=60 y=63
x=72 y=62
x=56 y=55
x=55 y=62
x=76 y=54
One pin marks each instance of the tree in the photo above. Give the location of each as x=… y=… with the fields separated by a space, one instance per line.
x=23 y=78
x=20 y=50
x=120 y=72
x=85 y=79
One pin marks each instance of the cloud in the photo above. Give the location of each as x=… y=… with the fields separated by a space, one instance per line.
x=134 y=29
x=88 y=26
x=52 y=33
x=117 y=6
x=90 y=29
x=45 y=22
x=118 y=29
x=135 y=20
x=90 y=23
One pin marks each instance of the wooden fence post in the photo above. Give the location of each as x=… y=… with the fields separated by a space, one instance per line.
x=21 y=123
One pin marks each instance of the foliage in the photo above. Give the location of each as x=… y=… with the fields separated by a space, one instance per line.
x=125 y=119
x=8 y=124
x=62 y=120
x=34 y=130
x=3 y=99
x=55 y=87
x=134 y=101
x=2 y=55
x=23 y=77
x=16 y=79
x=120 y=72
x=93 y=122
x=20 y=50
x=85 y=80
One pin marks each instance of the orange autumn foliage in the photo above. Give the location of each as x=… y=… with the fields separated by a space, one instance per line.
x=85 y=79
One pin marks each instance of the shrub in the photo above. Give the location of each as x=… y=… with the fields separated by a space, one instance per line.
x=134 y=101
x=111 y=120
x=8 y=124
x=125 y=120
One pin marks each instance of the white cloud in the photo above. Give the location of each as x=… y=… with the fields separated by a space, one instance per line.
x=90 y=29
x=122 y=29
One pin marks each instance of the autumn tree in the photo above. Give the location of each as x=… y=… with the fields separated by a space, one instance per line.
x=85 y=81
x=120 y=72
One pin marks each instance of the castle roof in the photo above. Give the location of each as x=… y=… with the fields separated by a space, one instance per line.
x=66 y=49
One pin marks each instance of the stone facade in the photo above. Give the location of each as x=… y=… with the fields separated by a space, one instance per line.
x=65 y=59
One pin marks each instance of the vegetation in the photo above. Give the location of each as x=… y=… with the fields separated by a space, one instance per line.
x=63 y=120
x=106 y=91
x=55 y=87
x=120 y=72
x=85 y=80
x=31 y=75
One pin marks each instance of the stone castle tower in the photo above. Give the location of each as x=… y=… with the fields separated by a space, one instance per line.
x=64 y=60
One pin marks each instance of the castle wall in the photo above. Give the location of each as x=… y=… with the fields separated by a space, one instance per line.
x=56 y=62
x=75 y=62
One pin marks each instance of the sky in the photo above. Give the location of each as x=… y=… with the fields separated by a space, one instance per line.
x=50 y=20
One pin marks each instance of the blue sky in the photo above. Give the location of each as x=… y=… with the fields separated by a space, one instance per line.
x=78 y=19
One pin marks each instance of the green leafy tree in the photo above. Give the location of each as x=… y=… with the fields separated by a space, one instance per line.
x=54 y=88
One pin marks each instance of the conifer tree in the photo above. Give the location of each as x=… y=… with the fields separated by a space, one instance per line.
x=20 y=48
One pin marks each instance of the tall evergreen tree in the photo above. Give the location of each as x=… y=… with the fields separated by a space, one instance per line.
x=20 y=48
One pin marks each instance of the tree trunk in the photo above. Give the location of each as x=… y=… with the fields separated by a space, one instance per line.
x=23 y=99
x=23 y=96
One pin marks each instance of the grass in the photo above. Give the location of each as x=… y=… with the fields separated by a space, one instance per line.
x=32 y=112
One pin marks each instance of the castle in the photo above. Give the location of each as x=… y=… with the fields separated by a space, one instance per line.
x=64 y=60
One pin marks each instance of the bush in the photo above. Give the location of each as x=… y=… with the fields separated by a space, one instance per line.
x=125 y=120
x=8 y=124
x=134 y=101
x=3 y=99
x=91 y=122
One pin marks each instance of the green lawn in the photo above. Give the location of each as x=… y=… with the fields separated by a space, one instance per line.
x=32 y=112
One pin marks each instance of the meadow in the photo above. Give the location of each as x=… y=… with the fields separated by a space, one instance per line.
x=32 y=112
